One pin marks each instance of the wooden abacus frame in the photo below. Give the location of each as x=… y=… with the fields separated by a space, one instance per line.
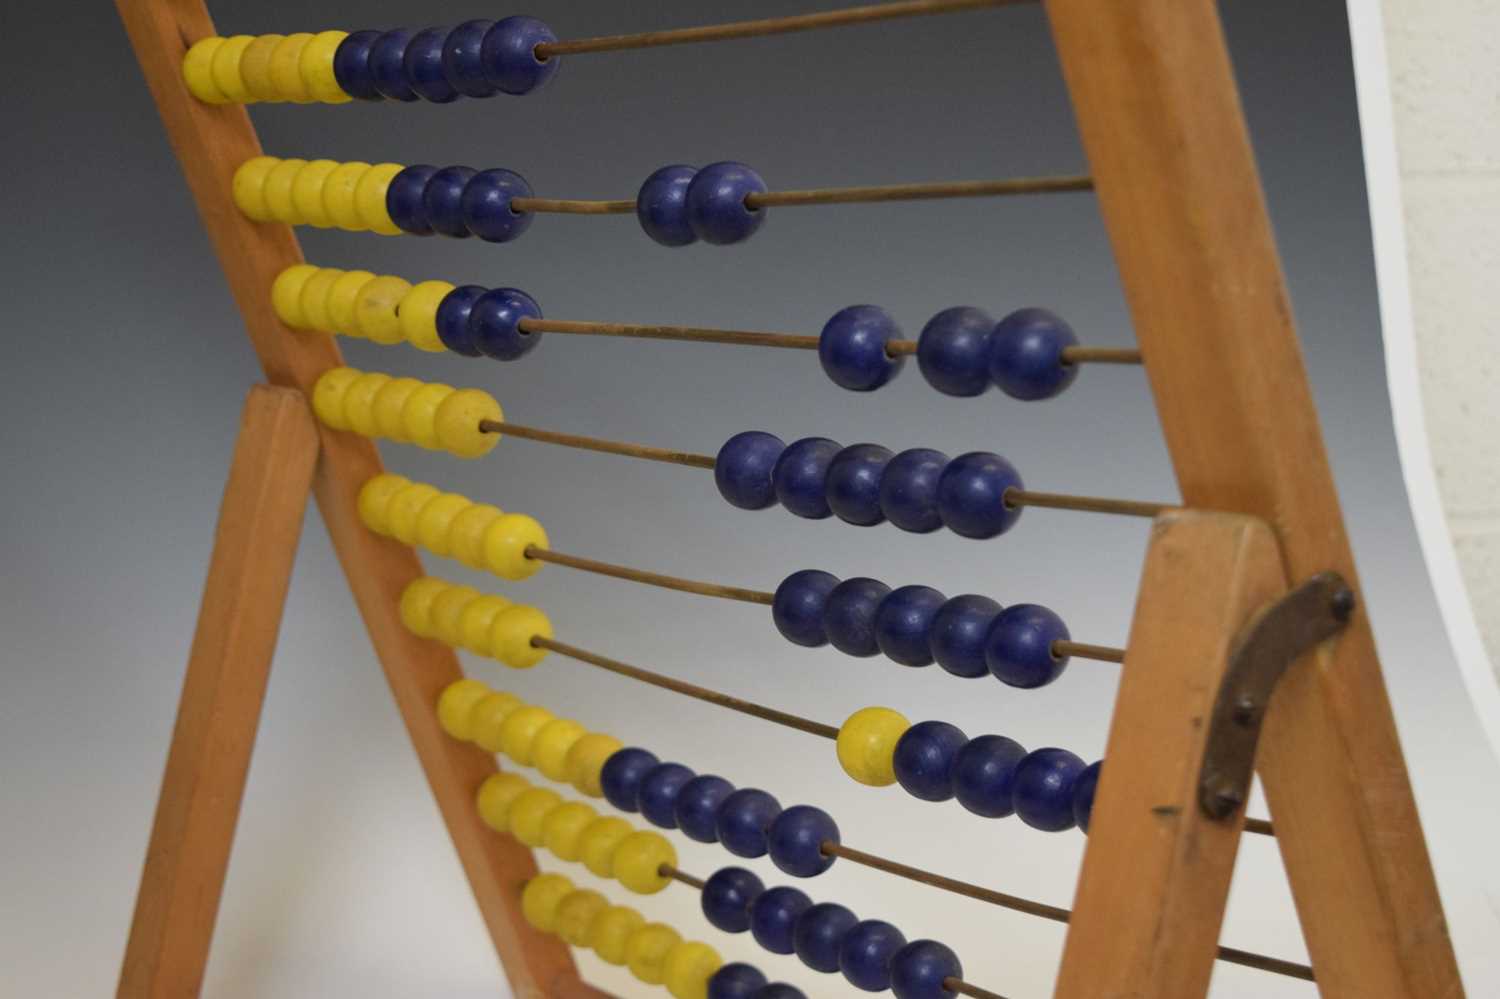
x=1157 y=106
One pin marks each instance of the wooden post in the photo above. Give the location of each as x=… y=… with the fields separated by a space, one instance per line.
x=260 y=521
x=1159 y=113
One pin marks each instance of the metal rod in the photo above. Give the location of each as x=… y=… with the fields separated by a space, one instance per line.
x=1087 y=504
x=650 y=578
x=596 y=444
x=1083 y=650
x=668 y=871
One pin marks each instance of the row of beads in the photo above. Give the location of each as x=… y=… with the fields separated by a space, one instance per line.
x=872 y=954
x=966 y=635
x=991 y=775
x=479 y=535
x=430 y=414
x=475 y=59
x=484 y=623
x=459 y=202
x=918 y=490
x=961 y=351
x=322 y=193
x=244 y=69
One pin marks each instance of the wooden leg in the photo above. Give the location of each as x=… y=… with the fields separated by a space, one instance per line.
x=1156 y=873
x=254 y=547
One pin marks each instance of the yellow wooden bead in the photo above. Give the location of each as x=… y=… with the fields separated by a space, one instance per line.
x=420 y=412
x=225 y=69
x=328 y=396
x=315 y=65
x=541 y=897
x=286 y=290
x=646 y=951
x=278 y=191
x=474 y=623
x=307 y=192
x=376 y=494
x=598 y=841
x=286 y=70
x=528 y=813
x=519 y=730
x=249 y=187
x=688 y=968
x=402 y=509
x=457 y=423
x=338 y=194
x=611 y=930
x=436 y=519
x=867 y=745
x=638 y=859
x=505 y=545
x=511 y=635
x=466 y=536
x=388 y=405
x=586 y=761
x=359 y=400
x=419 y=315
x=314 y=298
x=563 y=828
x=197 y=71
x=488 y=718
x=495 y=796
x=447 y=608
x=342 y=298
x=416 y=599
x=575 y=913
x=455 y=703
x=376 y=309
x=255 y=67
x=550 y=750
x=369 y=198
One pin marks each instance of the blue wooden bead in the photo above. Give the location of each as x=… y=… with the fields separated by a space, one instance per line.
x=1026 y=354
x=698 y=806
x=388 y=65
x=971 y=495
x=795 y=840
x=773 y=917
x=909 y=488
x=780 y=990
x=903 y=622
x=736 y=981
x=919 y=969
x=866 y=953
x=494 y=323
x=486 y=205
x=819 y=935
x=953 y=350
x=443 y=200
x=1019 y=647
x=657 y=795
x=727 y=895
x=661 y=205
x=742 y=821
x=620 y=777
x=852 y=348
x=854 y=484
x=924 y=759
x=405 y=199
x=1043 y=789
x=462 y=63
x=509 y=54
x=351 y=66
x=743 y=467
x=984 y=775
x=424 y=66
x=798 y=604
x=800 y=477
x=453 y=319
x=959 y=630
x=849 y=615
x=716 y=203
x=1083 y=794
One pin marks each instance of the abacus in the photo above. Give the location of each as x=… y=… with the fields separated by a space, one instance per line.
x=1248 y=587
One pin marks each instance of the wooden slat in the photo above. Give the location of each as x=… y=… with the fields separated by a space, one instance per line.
x=1156 y=873
x=260 y=521
x=1159 y=113
x=210 y=142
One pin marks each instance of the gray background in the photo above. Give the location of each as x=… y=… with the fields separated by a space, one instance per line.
x=125 y=367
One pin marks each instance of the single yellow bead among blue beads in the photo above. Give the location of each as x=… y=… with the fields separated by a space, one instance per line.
x=541 y=897
x=369 y=198
x=377 y=309
x=402 y=510
x=419 y=315
x=390 y=403
x=447 y=610
x=376 y=494
x=466 y=536
x=286 y=68
x=474 y=623
x=455 y=703
x=359 y=400
x=419 y=415
x=638 y=861
x=611 y=931
x=307 y=192
x=457 y=423
x=338 y=194
x=313 y=300
x=519 y=731
x=342 y=299
x=506 y=542
x=528 y=814
x=512 y=635
x=197 y=71
x=575 y=913
x=255 y=67
x=688 y=968
x=586 y=759
x=328 y=396
x=646 y=951
x=278 y=191
x=562 y=830
x=315 y=65
x=249 y=191
x=436 y=519
x=867 y=745
x=416 y=599
x=598 y=841
x=487 y=719
x=549 y=751
x=225 y=68
x=286 y=290
x=495 y=797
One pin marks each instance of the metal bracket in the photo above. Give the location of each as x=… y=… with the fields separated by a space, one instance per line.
x=1262 y=653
